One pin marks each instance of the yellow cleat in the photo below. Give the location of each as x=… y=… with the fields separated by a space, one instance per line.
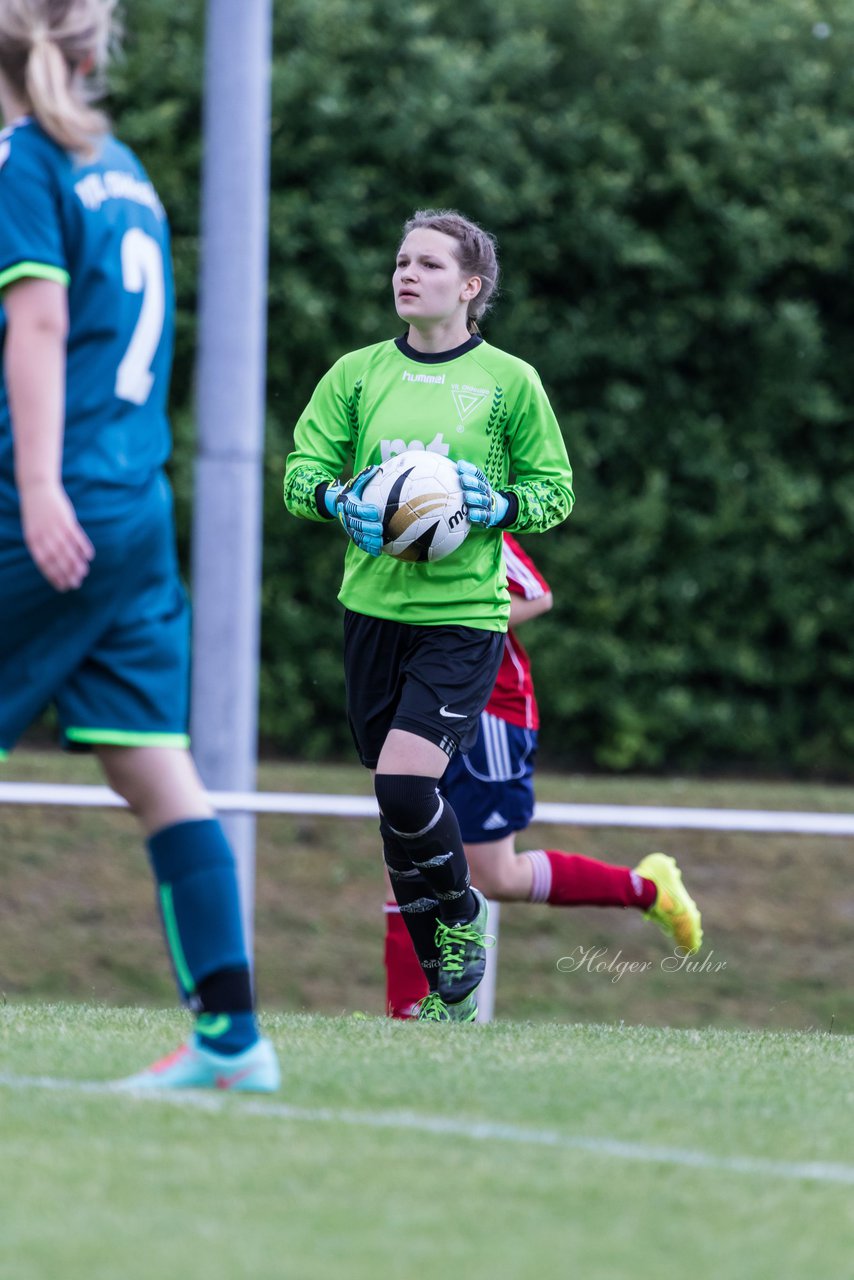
x=674 y=910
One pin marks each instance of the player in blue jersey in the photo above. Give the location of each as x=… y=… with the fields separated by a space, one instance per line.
x=95 y=617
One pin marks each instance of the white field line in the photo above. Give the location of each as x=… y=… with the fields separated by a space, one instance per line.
x=475 y=1130
x=579 y=815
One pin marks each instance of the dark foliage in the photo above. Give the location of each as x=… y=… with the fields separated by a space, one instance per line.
x=672 y=185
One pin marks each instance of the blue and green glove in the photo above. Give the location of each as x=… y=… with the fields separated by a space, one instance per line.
x=360 y=520
x=487 y=506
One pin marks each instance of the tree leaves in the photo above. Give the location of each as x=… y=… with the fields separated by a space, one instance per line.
x=671 y=185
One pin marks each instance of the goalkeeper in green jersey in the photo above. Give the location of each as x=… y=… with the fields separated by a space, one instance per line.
x=423 y=641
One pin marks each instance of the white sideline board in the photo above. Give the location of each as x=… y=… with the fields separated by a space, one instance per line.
x=319 y=804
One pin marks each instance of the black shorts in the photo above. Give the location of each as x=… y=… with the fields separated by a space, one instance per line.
x=431 y=681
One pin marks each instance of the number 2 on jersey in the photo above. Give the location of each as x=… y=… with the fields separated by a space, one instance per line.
x=142 y=272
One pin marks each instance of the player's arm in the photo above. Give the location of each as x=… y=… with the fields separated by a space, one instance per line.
x=34 y=371
x=530 y=594
x=523 y=610
x=325 y=438
x=541 y=473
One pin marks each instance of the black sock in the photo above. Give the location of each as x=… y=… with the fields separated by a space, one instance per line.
x=429 y=835
x=419 y=906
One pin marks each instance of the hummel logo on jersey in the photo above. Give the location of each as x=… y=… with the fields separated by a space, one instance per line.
x=451 y=715
x=494 y=821
x=436 y=378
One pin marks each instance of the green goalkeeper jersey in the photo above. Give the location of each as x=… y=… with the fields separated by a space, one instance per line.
x=474 y=403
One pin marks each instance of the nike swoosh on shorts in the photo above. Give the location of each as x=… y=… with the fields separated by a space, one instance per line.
x=451 y=715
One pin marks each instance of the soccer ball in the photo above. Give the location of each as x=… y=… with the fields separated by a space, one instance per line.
x=421 y=505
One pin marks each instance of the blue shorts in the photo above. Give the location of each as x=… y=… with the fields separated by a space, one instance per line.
x=491 y=787
x=113 y=656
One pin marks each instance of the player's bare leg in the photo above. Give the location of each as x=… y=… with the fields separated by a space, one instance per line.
x=499 y=871
x=405 y=752
x=161 y=784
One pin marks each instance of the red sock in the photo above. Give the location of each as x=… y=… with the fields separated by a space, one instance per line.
x=571 y=880
x=405 y=983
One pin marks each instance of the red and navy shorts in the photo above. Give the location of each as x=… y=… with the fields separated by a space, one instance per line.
x=490 y=787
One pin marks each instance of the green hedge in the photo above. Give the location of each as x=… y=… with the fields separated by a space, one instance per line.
x=672 y=185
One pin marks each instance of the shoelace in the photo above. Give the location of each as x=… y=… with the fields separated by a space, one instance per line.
x=432 y=1009
x=451 y=941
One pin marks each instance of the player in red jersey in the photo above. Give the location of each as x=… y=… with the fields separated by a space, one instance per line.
x=491 y=789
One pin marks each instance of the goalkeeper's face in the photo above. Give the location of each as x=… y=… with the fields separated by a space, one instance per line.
x=429 y=286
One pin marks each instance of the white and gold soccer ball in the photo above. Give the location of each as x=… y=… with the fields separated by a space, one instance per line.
x=421 y=505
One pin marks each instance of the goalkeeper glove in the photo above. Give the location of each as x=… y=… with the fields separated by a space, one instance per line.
x=487 y=506
x=361 y=520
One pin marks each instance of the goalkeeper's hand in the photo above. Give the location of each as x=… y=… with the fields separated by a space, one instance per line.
x=361 y=520
x=487 y=507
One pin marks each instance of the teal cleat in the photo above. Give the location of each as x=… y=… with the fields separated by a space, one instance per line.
x=255 y=1070
x=462 y=954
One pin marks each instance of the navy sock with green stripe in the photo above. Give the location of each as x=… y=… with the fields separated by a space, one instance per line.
x=226 y=1032
x=200 y=907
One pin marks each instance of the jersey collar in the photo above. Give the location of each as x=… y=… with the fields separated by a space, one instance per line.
x=436 y=357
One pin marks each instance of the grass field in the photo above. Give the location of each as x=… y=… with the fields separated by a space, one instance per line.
x=510 y=1152
x=653 y=1126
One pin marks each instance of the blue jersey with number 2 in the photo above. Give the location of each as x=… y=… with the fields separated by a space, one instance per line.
x=99 y=229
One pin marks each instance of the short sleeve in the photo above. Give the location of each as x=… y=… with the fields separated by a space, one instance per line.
x=31 y=242
x=523 y=576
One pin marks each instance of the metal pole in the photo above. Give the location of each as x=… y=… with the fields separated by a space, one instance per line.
x=486 y=990
x=230 y=398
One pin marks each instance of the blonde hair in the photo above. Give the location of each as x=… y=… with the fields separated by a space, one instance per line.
x=476 y=252
x=48 y=48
